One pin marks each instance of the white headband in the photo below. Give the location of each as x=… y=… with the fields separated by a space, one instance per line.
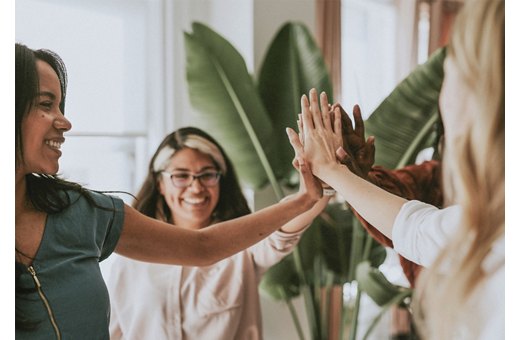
x=193 y=142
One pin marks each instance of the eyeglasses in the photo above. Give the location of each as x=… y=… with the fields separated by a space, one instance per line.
x=185 y=179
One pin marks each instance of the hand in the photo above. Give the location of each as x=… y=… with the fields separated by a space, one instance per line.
x=298 y=158
x=309 y=184
x=321 y=137
x=299 y=153
x=359 y=154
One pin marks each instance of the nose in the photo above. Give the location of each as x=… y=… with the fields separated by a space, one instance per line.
x=62 y=123
x=196 y=185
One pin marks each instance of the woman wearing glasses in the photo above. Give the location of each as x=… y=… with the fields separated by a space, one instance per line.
x=191 y=183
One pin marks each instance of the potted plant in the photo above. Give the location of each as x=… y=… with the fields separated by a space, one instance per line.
x=248 y=116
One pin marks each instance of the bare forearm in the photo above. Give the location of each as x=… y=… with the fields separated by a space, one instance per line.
x=259 y=225
x=149 y=240
x=303 y=220
x=377 y=206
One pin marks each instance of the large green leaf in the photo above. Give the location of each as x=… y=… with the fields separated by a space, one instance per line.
x=228 y=106
x=405 y=121
x=292 y=66
x=327 y=243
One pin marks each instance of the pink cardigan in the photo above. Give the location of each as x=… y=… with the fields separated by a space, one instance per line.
x=221 y=301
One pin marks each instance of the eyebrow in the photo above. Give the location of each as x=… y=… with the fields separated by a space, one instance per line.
x=48 y=94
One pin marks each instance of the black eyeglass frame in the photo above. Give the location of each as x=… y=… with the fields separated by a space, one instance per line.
x=193 y=177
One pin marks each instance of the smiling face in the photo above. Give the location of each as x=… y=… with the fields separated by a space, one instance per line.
x=43 y=126
x=191 y=207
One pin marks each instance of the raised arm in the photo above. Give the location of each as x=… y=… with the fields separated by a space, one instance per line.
x=146 y=239
x=377 y=206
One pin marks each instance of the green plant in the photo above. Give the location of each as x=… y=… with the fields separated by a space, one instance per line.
x=249 y=117
x=406 y=122
x=249 y=120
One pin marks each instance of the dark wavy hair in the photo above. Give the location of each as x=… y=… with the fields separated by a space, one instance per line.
x=231 y=203
x=47 y=193
x=44 y=191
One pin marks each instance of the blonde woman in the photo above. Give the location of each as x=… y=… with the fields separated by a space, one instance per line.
x=461 y=295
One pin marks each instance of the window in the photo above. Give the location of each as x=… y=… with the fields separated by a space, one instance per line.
x=368 y=52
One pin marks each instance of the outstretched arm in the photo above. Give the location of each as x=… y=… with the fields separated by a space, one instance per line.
x=146 y=239
x=377 y=206
x=304 y=220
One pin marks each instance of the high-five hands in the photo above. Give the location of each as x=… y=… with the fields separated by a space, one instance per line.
x=358 y=154
x=320 y=135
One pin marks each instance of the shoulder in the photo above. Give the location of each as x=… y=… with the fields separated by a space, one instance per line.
x=95 y=199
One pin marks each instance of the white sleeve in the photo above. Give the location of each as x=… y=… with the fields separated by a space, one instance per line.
x=274 y=248
x=422 y=230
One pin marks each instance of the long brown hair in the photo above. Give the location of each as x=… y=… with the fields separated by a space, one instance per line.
x=231 y=203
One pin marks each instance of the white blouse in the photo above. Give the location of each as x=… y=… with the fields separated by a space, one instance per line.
x=221 y=301
x=421 y=231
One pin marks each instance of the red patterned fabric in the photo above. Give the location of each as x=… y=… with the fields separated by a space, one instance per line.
x=414 y=182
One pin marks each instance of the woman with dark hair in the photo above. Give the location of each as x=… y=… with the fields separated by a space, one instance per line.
x=191 y=184
x=63 y=230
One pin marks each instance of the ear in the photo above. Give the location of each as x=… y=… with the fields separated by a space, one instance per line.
x=160 y=185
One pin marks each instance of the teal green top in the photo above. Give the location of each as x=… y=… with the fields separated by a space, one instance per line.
x=67 y=268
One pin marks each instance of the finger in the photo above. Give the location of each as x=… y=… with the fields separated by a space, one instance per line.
x=337 y=122
x=315 y=108
x=341 y=154
x=371 y=149
x=358 y=120
x=328 y=118
x=346 y=122
x=371 y=140
x=300 y=128
x=307 y=120
x=296 y=164
x=367 y=154
x=308 y=180
x=324 y=102
x=295 y=141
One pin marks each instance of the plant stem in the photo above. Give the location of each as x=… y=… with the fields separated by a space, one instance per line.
x=398 y=298
x=307 y=293
x=366 y=254
x=356 y=248
x=294 y=315
x=353 y=329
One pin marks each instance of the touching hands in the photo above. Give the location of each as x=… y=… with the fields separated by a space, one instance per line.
x=305 y=182
x=320 y=136
x=358 y=154
x=309 y=184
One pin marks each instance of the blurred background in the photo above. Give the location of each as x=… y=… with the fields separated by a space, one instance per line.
x=127 y=79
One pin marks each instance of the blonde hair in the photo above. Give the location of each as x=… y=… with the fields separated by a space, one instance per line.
x=473 y=177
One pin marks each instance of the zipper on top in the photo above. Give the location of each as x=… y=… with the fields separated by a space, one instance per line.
x=45 y=302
